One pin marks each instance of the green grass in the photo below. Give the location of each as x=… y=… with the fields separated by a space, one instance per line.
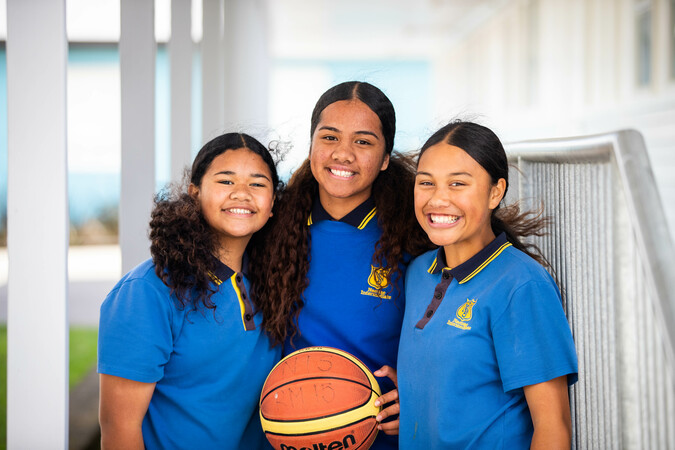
x=82 y=360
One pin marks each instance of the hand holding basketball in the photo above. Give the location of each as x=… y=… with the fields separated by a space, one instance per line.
x=391 y=398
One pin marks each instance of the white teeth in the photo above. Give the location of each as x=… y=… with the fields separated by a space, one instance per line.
x=442 y=218
x=342 y=173
x=240 y=211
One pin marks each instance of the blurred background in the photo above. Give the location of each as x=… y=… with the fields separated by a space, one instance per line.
x=526 y=68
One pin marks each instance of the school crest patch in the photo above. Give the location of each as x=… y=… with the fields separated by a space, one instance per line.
x=377 y=283
x=463 y=315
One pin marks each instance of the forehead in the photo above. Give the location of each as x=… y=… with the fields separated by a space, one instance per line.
x=447 y=158
x=345 y=114
x=238 y=160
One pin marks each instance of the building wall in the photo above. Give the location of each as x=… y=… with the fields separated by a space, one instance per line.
x=546 y=68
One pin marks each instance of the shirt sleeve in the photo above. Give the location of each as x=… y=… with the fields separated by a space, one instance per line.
x=135 y=331
x=532 y=338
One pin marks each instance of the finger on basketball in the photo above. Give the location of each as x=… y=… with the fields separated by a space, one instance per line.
x=391 y=396
x=390 y=428
x=389 y=411
x=386 y=371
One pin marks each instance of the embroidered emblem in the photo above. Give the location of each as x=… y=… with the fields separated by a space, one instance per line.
x=378 y=277
x=464 y=314
x=377 y=283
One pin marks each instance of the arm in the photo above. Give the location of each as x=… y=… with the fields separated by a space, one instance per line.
x=390 y=427
x=550 y=409
x=123 y=404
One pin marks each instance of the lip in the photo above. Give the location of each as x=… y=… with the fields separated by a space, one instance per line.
x=333 y=169
x=237 y=211
x=442 y=225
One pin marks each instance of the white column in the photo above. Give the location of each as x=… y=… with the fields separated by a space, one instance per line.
x=137 y=72
x=180 y=56
x=37 y=203
x=247 y=68
x=213 y=69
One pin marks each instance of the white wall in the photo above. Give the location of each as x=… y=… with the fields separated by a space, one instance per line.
x=546 y=68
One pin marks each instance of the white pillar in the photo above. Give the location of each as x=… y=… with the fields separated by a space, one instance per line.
x=213 y=69
x=137 y=73
x=37 y=203
x=247 y=66
x=180 y=56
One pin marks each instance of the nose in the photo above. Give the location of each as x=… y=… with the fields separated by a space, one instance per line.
x=440 y=197
x=343 y=152
x=240 y=192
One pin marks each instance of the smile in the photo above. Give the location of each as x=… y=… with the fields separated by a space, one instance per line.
x=341 y=173
x=443 y=218
x=240 y=211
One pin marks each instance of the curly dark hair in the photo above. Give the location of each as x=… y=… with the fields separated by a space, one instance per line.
x=483 y=145
x=183 y=245
x=288 y=248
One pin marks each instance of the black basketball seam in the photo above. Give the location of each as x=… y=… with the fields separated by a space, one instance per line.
x=318 y=417
x=332 y=353
x=336 y=354
x=368 y=437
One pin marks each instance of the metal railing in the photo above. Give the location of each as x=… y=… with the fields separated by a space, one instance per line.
x=612 y=253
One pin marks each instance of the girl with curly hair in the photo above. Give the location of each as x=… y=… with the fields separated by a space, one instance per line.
x=182 y=355
x=343 y=235
x=486 y=353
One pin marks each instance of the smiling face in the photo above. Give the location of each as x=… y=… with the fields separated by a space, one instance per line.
x=454 y=200
x=347 y=154
x=236 y=196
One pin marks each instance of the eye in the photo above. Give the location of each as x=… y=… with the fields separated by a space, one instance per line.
x=329 y=137
x=457 y=184
x=362 y=142
x=225 y=182
x=425 y=183
x=262 y=185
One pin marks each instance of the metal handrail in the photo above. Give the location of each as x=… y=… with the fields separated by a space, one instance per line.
x=627 y=148
x=613 y=253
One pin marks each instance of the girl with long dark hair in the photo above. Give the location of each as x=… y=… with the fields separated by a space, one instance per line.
x=343 y=235
x=182 y=355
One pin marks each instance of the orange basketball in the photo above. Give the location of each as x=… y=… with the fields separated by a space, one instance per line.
x=320 y=398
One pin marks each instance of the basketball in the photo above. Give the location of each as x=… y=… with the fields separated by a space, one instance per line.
x=320 y=398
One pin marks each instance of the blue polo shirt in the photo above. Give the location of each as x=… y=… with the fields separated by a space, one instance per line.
x=473 y=336
x=208 y=365
x=344 y=305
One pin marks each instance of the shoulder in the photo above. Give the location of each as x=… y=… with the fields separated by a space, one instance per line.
x=522 y=268
x=140 y=279
x=423 y=262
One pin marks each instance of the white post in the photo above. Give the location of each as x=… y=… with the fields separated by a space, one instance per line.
x=213 y=69
x=37 y=239
x=180 y=56
x=137 y=73
x=247 y=68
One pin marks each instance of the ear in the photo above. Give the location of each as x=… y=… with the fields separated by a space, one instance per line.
x=497 y=193
x=193 y=191
x=385 y=162
x=273 y=200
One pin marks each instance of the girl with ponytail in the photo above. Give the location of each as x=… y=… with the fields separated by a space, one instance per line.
x=486 y=353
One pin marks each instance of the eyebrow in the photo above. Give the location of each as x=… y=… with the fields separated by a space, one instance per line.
x=253 y=175
x=451 y=174
x=369 y=133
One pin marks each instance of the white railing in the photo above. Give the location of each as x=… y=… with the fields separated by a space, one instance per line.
x=611 y=250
